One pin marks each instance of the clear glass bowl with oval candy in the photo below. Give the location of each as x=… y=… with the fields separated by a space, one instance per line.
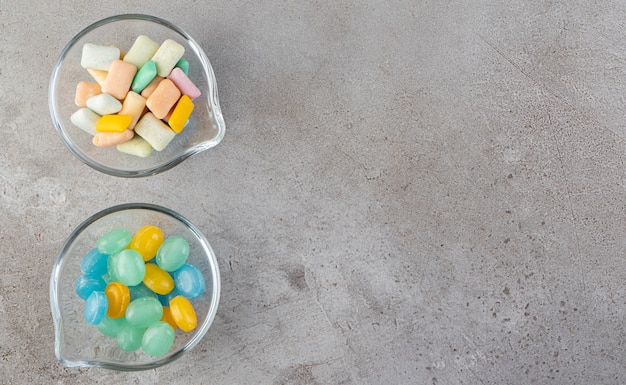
x=79 y=344
x=204 y=129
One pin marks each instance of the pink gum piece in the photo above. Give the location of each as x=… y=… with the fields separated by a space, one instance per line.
x=183 y=83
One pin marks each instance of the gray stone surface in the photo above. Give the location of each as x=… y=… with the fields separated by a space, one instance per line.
x=408 y=192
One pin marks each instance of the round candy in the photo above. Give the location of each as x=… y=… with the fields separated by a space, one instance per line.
x=167 y=317
x=128 y=267
x=158 y=339
x=129 y=337
x=114 y=241
x=165 y=299
x=183 y=313
x=157 y=279
x=147 y=241
x=95 y=307
x=144 y=311
x=189 y=281
x=94 y=263
x=87 y=284
x=139 y=291
x=110 y=327
x=118 y=296
x=173 y=253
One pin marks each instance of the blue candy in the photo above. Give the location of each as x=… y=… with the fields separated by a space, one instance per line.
x=189 y=281
x=87 y=284
x=96 y=307
x=94 y=263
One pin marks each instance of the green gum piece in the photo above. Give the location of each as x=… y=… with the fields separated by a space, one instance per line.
x=183 y=65
x=144 y=76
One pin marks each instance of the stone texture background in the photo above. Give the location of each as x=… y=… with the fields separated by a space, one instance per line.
x=408 y=192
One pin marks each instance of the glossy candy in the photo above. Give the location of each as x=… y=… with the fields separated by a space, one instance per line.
x=94 y=263
x=110 y=327
x=128 y=267
x=118 y=296
x=129 y=337
x=114 y=241
x=87 y=284
x=144 y=311
x=173 y=253
x=147 y=241
x=167 y=317
x=95 y=307
x=183 y=313
x=139 y=291
x=189 y=281
x=157 y=279
x=158 y=339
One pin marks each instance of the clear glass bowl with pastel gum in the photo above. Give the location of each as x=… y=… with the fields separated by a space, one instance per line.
x=206 y=125
x=78 y=344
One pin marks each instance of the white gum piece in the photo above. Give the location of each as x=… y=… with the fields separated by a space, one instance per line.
x=166 y=57
x=137 y=146
x=154 y=131
x=98 y=57
x=104 y=104
x=141 y=51
x=86 y=120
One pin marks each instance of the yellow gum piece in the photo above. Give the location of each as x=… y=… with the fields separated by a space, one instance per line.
x=113 y=123
x=134 y=105
x=181 y=114
x=98 y=75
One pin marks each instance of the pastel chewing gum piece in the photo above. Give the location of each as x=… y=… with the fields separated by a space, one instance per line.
x=134 y=105
x=163 y=98
x=141 y=51
x=98 y=57
x=119 y=79
x=166 y=57
x=154 y=131
x=184 y=84
x=107 y=139
x=85 y=90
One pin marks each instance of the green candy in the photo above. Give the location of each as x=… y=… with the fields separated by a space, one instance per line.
x=144 y=76
x=158 y=339
x=114 y=241
x=143 y=312
x=129 y=337
x=128 y=267
x=173 y=253
x=110 y=327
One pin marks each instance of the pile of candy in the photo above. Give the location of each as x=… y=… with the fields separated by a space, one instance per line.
x=137 y=288
x=138 y=101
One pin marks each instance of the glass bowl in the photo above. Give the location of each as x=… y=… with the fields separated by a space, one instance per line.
x=204 y=130
x=78 y=344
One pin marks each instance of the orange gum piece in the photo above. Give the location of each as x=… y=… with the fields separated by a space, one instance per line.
x=163 y=98
x=85 y=90
x=151 y=87
x=106 y=139
x=119 y=79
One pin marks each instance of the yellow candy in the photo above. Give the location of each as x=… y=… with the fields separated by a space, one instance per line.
x=157 y=279
x=181 y=113
x=147 y=241
x=167 y=317
x=118 y=296
x=183 y=313
x=113 y=123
